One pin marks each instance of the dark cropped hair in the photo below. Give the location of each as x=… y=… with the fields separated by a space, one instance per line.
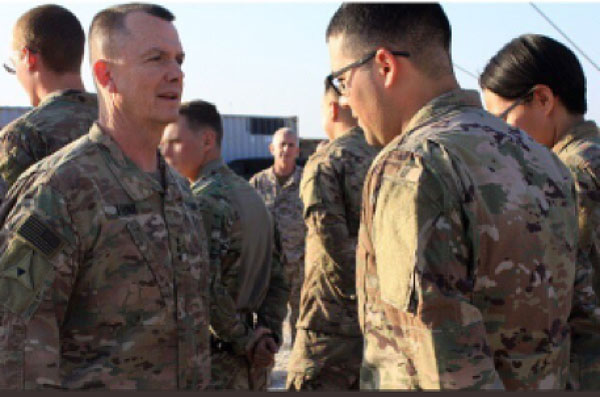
x=200 y=114
x=412 y=27
x=112 y=20
x=533 y=59
x=56 y=34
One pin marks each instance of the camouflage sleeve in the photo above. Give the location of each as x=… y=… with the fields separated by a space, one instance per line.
x=15 y=150
x=273 y=309
x=584 y=372
x=3 y=190
x=253 y=181
x=38 y=268
x=422 y=249
x=326 y=218
x=224 y=320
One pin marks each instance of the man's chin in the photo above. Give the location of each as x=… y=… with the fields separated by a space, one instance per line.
x=167 y=118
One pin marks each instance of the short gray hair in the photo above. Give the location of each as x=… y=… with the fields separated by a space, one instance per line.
x=285 y=131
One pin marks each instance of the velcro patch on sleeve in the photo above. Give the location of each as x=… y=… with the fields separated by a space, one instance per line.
x=34 y=231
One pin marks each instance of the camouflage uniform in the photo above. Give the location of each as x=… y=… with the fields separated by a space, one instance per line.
x=328 y=350
x=103 y=281
x=465 y=256
x=248 y=280
x=286 y=207
x=60 y=118
x=579 y=149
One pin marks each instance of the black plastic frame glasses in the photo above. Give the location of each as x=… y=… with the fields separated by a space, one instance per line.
x=8 y=68
x=516 y=103
x=339 y=86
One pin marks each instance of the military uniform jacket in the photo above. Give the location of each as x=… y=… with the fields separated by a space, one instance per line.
x=243 y=255
x=465 y=256
x=579 y=149
x=331 y=193
x=103 y=278
x=60 y=118
x=283 y=201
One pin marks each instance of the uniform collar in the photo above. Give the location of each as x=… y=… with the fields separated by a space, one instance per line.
x=581 y=131
x=444 y=104
x=351 y=131
x=137 y=183
x=294 y=179
x=68 y=94
x=211 y=167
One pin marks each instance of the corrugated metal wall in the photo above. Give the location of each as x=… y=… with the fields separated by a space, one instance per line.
x=238 y=141
x=8 y=114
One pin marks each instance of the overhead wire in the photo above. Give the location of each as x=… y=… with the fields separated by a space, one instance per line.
x=464 y=70
x=583 y=54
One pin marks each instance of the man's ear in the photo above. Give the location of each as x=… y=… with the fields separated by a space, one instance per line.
x=31 y=58
x=388 y=66
x=333 y=110
x=103 y=76
x=209 y=139
x=272 y=149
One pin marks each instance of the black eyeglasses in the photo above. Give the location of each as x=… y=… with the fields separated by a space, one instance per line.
x=517 y=102
x=340 y=86
x=9 y=68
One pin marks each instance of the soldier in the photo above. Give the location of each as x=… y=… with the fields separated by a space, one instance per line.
x=537 y=84
x=246 y=317
x=327 y=352
x=103 y=275
x=279 y=186
x=47 y=52
x=468 y=228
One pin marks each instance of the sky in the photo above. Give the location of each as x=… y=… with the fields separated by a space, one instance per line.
x=270 y=58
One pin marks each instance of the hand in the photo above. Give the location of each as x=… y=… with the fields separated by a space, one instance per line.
x=256 y=336
x=264 y=352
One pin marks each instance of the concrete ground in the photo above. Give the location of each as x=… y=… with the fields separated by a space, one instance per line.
x=279 y=372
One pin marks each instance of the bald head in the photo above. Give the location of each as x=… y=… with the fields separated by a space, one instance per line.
x=108 y=27
x=284 y=133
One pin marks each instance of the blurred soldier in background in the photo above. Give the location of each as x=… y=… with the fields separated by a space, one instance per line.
x=103 y=272
x=246 y=315
x=468 y=229
x=327 y=352
x=279 y=186
x=47 y=51
x=537 y=84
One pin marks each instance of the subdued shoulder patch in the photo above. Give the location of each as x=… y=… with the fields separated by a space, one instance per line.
x=34 y=231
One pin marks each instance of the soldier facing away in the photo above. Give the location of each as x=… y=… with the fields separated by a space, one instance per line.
x=327 y=352
x=47 y=51
x=279 y=186
x=249 y=291
x=103 y=274
x=468 y=228
x=537 y=84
